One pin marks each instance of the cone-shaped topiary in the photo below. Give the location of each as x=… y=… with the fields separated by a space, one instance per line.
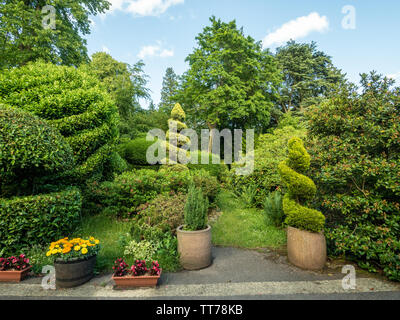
x=175 y=140
x=301 y=189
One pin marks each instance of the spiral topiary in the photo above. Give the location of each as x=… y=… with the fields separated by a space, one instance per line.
x=301 y=189
x=174 y=139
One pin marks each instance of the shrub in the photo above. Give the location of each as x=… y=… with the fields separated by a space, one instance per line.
x=208 y=184
x=273 y=208
x=356 y=157
x=196 y=209
x=135 y=151
x=301 y=190
x=72 y=101
x=219 y=170
x=164 y=212
x=271 y=150
x=30 y=149
x=143 y=250
x=26 y=221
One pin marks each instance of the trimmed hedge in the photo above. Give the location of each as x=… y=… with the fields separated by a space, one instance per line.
x=29 y=149
x=37 y=220
x=134 y=152
x=72 y=101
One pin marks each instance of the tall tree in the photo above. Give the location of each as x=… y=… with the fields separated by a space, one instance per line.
x=24 y=38
x=126 y=84
x=231 y=82
x=308 y=75
x=169 y=90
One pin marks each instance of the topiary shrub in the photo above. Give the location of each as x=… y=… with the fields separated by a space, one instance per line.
x=73 y=102
x=29 y=150
x=219 y=170
x=271 y=150
x=301 y=189
x=135 y=151
x=37 y=220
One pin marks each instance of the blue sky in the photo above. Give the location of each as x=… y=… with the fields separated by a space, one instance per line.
x=162 y=32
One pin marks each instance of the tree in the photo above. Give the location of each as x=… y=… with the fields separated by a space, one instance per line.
x=170 y=88
x=24 y=39
x=231 y=82
x=125 y=83
x=308 y=75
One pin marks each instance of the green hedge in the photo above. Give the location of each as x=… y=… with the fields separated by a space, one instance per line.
x=37 y=220
x=29 y=148
x=72 y=101
x=219 y=170
x=134 y=152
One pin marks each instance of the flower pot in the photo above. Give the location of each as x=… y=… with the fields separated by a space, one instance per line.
x=194 y=248
x=74 y=273
x=13 y=275
x=129 y=282
x=306 y=250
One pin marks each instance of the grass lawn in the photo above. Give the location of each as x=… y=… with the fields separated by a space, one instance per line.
x=242 y=227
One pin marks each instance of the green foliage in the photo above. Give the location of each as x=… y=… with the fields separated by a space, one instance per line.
x=73 y=102
x=25 y=39
x=273 y=209
x=30 y=149
x=143 y=250
x=40 y=219
x=164 y=212
x=196 y=209
x=135 y=151
x=218 y=170
x=169 y=90
x=207 y=183
x=270 y=151
x=356 y=156
x=247 y=195
x=231 y=82
x=301 y=189
x=309 y=75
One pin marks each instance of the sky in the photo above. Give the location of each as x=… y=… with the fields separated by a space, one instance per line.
x=359 y=35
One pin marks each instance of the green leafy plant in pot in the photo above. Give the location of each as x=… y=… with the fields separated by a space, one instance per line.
x=194 y=237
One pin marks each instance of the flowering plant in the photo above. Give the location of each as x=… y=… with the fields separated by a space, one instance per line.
x=14 y=263
x=121 y=268
x=74 y=249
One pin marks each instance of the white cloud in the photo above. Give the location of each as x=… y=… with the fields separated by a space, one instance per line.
x=296 y=29
x=394 y=76
x=105 y=49
x=143 y=7
x=155 y=51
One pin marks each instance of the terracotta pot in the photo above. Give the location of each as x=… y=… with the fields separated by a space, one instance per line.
x=74 y=273
x=194 y=248
x=306 y=250
x=13 y=276
x=136 y=282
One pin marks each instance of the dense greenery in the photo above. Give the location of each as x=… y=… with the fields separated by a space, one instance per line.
x=37 y=220
x=195 y=211
x=73 y=102
x=355 y=147
x=134 y=151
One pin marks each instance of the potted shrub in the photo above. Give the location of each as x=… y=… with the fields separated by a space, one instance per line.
x=194 y=237
x=138 y=275
x=74 y=260
x=14 y=269
x=306 y=242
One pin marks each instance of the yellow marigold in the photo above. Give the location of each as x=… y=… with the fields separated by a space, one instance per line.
x=48 y=253
x=84 y=251
x=77 y=248
x=96 y=241
x=66 y=250
x=54 y=251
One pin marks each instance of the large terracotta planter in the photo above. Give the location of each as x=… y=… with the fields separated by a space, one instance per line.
x=306 y=250
x=13 y=275
x=194 y=248
x=74 y=273
x=136 y=282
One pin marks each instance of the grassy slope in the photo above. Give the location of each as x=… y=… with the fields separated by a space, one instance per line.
x=241 y=227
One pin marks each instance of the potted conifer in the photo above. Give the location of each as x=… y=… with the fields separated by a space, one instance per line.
x=306 y=242
x=194 y=237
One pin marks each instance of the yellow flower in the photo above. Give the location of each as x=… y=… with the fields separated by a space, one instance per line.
x=84 y=245
x=66 y=250
x=84 y=251
x=48 y=253
x=96 y=241
x=77 y=248
x=91 y=238
x=54 y=251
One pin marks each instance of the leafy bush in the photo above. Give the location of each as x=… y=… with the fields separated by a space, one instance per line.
x=273 y=208
x=271 y=150
x=219 y=170
x=72 y=101
x=143 y=250
x=208 y=184
x=30 y=149
x=26 y=221
x=196 y=209
x=164 y=212
x=135 y=151
x=301 y=189
x=356 y=166
x=247 y=195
